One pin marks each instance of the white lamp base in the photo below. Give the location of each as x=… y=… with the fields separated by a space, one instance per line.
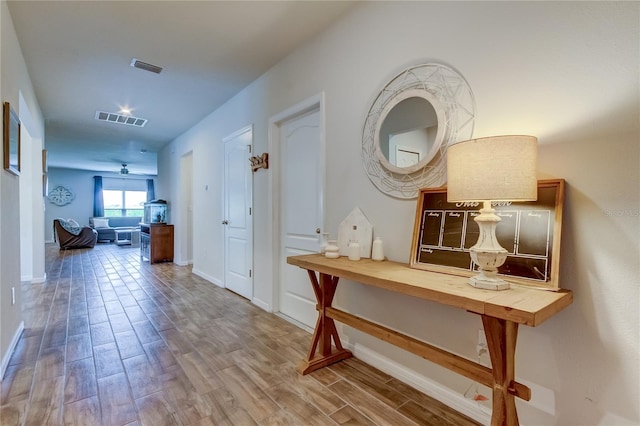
x=488 y=284
x=487 y=253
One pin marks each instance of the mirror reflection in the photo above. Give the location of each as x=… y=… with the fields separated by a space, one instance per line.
x=408 y=132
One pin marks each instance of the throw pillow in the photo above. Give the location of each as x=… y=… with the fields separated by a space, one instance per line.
x=75 y=230
x=100 y=223
x=73 y=223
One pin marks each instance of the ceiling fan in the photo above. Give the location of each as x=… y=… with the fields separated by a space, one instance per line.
x=125 y=172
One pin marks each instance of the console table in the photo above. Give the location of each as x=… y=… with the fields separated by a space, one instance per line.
x=501 y=312
x=156 y=242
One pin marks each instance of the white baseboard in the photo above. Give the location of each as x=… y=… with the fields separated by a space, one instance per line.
x=435 y=390
x=261 y=304
x=207 y=277
x=181 y=262
x=39 y=280
x=295 y=322
x=12 y=346
x=32 y=279
x=49 y=241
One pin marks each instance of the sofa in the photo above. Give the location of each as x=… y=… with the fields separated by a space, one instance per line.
x=69 y=235
x=106 y=226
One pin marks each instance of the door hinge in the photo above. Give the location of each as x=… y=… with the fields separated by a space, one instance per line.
x=249 y=273
x=249 y=147
x=249 y=211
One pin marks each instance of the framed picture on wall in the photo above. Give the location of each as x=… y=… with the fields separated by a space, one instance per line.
x=11 y=140
x=529 y=231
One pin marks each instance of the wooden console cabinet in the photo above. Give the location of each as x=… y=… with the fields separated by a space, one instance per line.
x=156 y=242
x=501 y=312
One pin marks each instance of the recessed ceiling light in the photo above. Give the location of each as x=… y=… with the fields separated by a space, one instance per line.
x=125 y=111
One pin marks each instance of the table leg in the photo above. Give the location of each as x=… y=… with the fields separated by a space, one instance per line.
x=325 y=330
x=501 y=341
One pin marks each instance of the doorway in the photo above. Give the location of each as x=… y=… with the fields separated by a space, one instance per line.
x=186 y=208
x=238 y=220
x=300 y=144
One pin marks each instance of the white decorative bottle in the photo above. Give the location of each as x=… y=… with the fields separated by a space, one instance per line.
x=354 y=250
x=377 y=252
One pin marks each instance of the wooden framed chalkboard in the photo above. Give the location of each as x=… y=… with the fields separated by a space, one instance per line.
x=530 y=231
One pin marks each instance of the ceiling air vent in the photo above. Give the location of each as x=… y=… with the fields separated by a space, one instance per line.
x=145 y=66
x=120 y=119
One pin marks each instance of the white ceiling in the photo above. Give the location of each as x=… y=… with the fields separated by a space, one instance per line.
x=78 y=54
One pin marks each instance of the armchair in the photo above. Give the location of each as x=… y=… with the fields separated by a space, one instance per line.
x=67 y=238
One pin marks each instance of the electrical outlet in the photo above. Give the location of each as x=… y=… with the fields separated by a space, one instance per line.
x=13 y=296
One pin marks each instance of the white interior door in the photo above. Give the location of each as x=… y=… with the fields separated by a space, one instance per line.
x=238 y=223
x=302 y=177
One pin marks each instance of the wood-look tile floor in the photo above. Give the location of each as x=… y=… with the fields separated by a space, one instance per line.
x=109 y=340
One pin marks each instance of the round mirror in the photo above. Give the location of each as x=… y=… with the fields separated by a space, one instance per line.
x=408 y=136
x=409 y=126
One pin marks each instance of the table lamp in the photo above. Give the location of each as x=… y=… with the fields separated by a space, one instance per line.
x=497 y=168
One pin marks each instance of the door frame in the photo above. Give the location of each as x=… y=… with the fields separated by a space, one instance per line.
x=225 y=140
x=184 y=215
x=316 y=102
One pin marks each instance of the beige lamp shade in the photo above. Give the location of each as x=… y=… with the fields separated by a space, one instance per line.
x=498 y=168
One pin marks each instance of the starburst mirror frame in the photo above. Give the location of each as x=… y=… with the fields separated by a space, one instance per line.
x=451 y=98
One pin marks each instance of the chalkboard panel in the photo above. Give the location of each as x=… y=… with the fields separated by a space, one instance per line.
x=529 y=231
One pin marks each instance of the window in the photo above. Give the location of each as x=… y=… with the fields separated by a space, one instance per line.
x=123 y=203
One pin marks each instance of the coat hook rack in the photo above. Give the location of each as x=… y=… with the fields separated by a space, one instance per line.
x=259 y=162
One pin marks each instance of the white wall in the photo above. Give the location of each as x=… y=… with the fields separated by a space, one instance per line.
x=16 y=89
x=80 y=182
x=31 y=199
x=26 y=206
x=565 y=72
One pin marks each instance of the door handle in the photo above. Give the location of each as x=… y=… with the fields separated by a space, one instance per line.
x=318 y=231
x=225 y=222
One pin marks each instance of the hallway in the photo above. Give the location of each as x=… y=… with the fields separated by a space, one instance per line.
x=113 y=341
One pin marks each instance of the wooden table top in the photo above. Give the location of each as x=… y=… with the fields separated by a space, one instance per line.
x=518 y=304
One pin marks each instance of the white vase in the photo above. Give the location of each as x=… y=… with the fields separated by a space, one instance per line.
x=377 y=252
x=354 y=251
x=332 y=251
